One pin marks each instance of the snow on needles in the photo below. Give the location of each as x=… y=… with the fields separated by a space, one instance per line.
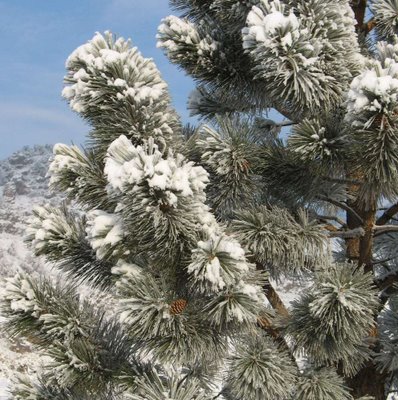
x=272 y=29
x=66 y=159
x=219 y=265
x=374 y=91
x=128 y=167
x=176 y=35
x=18 y=290
x=107 y=75
x=219 y=261
x=97 y=58
x=104 y=231
x=290 y=44
x=46 y=226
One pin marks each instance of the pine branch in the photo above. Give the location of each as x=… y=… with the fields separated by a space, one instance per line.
x=331 y=321
x=60 y=235
x=258 y=369
x=385 y=260
x=379 y=230
x=274 y=299
x=389 y=214
x=281 y=242
x=349 y=234
x=342 y=181
x=331 y=218
x=88 y=350
x=368 y=26
x=343 y=206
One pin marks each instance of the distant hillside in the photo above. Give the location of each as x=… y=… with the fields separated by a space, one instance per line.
x=23 y=184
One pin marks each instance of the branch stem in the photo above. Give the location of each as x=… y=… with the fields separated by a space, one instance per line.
x=343 y=206
x=388 y=214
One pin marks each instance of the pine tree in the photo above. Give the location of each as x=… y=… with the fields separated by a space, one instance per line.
x=181 y=232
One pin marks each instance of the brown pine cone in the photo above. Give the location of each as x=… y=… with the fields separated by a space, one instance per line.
x=178 y=306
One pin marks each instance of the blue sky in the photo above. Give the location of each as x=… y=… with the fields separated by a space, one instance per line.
x=36 y=38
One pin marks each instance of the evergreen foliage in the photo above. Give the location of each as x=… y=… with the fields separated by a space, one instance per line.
x=332 y=321
x=322 y=383
x=182 y=231
x=259 y=370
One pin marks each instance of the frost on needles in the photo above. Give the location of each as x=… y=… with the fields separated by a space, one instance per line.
x=173 y=238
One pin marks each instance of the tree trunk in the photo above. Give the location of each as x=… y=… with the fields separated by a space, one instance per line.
x=353 y=244
x=368 y=381
x=360 y=11
x=366 y=242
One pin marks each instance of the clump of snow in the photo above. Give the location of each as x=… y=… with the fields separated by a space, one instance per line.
x=45 y=227
x=127 y=167
x=19 y=292
x=255 y=292
x=104 y=231
x=171 y=26
x=272 y=30
x=374 y=91
x=67 y=159
x=388 y=50
x=288 y=43
x=124 y=268
x=176 y=34
x=219 y=262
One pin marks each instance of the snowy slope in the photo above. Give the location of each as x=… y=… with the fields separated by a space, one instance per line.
x=23 y=184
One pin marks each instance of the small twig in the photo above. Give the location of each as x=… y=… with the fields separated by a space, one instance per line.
x=286 y=123
x=278 y=305
x=379 y=230
x=382 y=261
x=331 y=218
x=351 y=234
x=386 y=282
x=388 y=214
x=184 y=379
x=343 y=206
x=272 y=124
x=271 y=295
x=341 y=180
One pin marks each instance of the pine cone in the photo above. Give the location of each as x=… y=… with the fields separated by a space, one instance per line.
x=178 y=306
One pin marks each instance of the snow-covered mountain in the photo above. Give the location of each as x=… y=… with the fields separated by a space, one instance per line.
x=23 y=184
